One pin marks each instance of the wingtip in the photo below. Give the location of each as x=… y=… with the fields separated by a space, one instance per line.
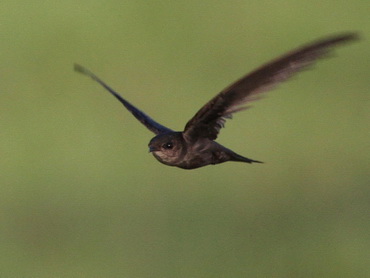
x=345 y=37
x=79 y=68
x=351 y=36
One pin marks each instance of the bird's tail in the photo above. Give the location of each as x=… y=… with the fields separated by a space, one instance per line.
x=237 y=157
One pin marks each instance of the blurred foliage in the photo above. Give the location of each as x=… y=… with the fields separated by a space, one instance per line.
x=81 y=197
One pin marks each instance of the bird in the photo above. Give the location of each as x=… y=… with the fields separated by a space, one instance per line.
x=195 y=146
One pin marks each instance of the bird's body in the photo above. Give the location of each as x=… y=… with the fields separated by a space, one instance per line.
x=191 y=155
x=195 y=146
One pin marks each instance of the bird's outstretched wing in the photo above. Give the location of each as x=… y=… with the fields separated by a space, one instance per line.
x=208 y=121
x=141 y=116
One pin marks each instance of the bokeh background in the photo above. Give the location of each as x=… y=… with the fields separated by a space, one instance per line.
x=81 y=197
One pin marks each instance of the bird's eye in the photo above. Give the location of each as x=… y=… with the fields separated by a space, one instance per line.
x=168 y=146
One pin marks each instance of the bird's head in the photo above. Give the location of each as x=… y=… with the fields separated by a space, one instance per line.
x=168 y=147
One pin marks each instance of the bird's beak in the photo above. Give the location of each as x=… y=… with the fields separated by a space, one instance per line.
x=152 y=149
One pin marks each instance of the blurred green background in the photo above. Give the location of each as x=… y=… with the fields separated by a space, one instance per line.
x=80 y=195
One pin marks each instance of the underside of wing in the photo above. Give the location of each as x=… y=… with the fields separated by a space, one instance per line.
x=138 y=114
x=208 y=121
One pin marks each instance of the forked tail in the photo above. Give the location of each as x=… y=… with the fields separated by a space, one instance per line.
x=237 y=157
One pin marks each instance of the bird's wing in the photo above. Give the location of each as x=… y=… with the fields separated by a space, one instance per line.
x=141 y=116
x=208 y=121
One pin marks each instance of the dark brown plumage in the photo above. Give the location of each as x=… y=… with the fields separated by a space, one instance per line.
x=195 y=146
